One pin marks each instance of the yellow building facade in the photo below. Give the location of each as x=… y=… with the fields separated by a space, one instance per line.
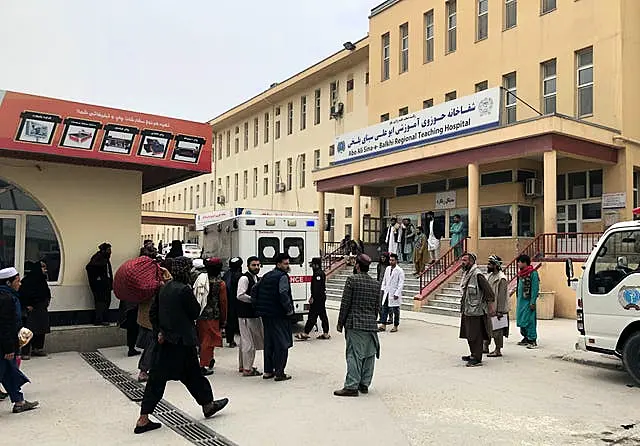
x=561 y=156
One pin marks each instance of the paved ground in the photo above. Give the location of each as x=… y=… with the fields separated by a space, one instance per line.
x=422 y=395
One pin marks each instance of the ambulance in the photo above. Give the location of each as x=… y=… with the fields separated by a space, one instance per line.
x=265 y=236
x=608 y=296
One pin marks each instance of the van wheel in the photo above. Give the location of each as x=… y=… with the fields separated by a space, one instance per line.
x=631 y=356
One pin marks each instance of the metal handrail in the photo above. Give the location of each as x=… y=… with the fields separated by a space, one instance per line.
x=442 y=265
x=333 y=254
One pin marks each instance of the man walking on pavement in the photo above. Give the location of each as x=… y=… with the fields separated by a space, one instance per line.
x=392 y=286
x=528 y=289
x=358 y=311
x=477 y=308
x=251 y=330
x=173 y=314
x=317 y=303
x=274 y=303
x=498 y=281
x=100 y=275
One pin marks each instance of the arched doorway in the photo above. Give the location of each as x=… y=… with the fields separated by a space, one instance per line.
x=26 y=232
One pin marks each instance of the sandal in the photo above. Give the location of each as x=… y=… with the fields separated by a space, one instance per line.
x=302 y=337
x=252 y=372
x=494 y=355
x=324 y=336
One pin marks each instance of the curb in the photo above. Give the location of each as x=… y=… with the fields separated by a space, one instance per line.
x=603 y=364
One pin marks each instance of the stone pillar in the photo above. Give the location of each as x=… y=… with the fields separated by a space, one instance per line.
x=357 y=217
x=321 y=222
x=550 y=177
x=474 y=207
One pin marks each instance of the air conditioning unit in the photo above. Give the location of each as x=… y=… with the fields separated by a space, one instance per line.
x=337 y=110
x=533 y=187
x=280 y=187
x=221 y=199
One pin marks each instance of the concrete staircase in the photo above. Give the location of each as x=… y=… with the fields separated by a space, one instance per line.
x=446 y=300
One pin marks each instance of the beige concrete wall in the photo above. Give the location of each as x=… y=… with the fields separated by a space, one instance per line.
x=87 y=206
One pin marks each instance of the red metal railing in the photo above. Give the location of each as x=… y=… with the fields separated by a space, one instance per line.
x=333 y=252
x=443 y=266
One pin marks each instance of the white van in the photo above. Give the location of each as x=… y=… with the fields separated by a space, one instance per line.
x=608 y=296
x=266 y=236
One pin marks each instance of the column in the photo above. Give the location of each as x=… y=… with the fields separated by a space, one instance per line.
x=357 y=218
x=321 y=222
x=474 y=207
x=550 y=192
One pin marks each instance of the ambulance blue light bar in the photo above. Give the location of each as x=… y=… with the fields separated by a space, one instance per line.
x=311 y=223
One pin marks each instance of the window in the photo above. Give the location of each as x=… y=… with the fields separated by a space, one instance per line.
x=636 y=181
x=204 y=193
x=255 y=182
x=350 y=83
x=526 y=221
x=505 y=176
x=348 y=212
x=256 y=131
x=228 y=143
x=482 y=26
x=289 y=173
x=316 y=116
x=190 y=198
x=348 y=229
x=510 y=13
x=404 y=48
x=332 y=150
x=303 y=171
x=428 y=103
x=618 y=258
x=316 y=159
x=433 y=186
x=495 y=221
x=303 y=112
x=245 y=185
x=524 y=175
x=592 y=211
x=227 y=194
x=549 y=87
x=235 y=187
x=585 y=82
x=450 y=96
x=579 y=185
x=386 y=56
x=268 y=249
x=277 y=130
x=548 y=6
x=429 y=37
x=265 y=186
x=246 y=136
x=184 y=203
x=277 y=111
x=405 y=191
x=289 y=118
x=294 y=246
x=334 y=88
x=403 y=111
x=595 y=183
x=237 y=140
x=458 y=183
x=370 y=229
x=277 y=173
x=266 y=128
x=366 y=78
x=481 y=86
x=384 y=117
x=451 y=26
x=509 y=84
x=220 y=146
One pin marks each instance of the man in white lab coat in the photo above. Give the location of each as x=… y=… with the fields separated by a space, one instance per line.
x=392 y=285
x=394 y=236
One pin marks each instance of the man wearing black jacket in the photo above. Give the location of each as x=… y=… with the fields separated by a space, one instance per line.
x=100 y=277
x=317 y=303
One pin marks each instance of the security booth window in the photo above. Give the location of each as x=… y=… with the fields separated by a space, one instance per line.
x=268 y=249
x=616 y=259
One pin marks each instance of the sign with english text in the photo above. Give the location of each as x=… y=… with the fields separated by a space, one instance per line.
x=473 y=113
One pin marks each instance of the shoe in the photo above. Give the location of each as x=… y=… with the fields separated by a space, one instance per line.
x=494 y=354
x=268 y=376
x=467 y=358
x=252 y=372
x=282 y=378
x=3 y=396
x=532 y=345
x=205 y=371
x=212 y=363
x=382 y=328
x=474 y=363
x=324 y=336
x=346 y=392
x=524 y=342
x=363 y=389
x=150 y=426
x=232 y=344
x=25 y=357
x=215 y=407
x=394 y=329
x=39 y=353
x=130 y=353
x=25 y=406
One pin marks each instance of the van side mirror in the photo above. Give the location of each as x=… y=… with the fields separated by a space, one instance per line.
x=568 y=266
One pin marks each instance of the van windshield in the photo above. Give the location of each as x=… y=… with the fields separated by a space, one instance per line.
x=617 y=258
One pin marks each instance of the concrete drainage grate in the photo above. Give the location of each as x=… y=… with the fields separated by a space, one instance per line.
x=168 y=414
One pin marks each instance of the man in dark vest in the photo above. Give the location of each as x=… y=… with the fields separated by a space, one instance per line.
x=317 y=303
x=231 y=278
x=251 y=331
x=274 y=303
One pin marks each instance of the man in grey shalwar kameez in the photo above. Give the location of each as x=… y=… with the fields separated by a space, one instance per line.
x=251 y=331
x=358 y=312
